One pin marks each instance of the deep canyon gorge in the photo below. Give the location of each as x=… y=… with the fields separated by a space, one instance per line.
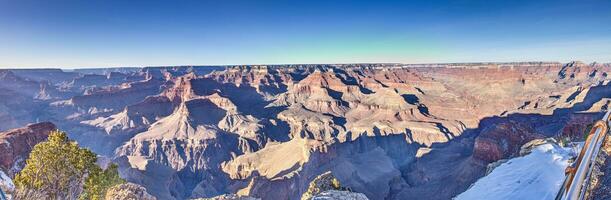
x=389 y=131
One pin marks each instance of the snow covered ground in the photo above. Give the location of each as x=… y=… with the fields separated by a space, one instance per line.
x=537 y=175
x=6 y=184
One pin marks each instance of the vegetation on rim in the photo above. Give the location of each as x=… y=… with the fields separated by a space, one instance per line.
x=60 y=169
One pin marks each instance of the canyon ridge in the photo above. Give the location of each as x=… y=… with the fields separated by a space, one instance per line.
x=388 y=131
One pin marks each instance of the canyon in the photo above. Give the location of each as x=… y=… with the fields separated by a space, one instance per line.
x=388 y=131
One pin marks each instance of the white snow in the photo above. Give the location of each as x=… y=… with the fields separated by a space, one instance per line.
x=6 y=183
x=537 y=175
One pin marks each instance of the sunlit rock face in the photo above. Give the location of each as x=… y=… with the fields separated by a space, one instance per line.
x=127 y=191
x=387 y=131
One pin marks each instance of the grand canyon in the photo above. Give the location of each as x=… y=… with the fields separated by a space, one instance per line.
x=387 y=131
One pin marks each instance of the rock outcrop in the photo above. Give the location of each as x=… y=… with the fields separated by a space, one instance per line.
x=6 y=184
x=324 y=182
x=600 y=183
x=502 y=141
x=229 y=197
x=339 y=195
x=128 y=191
x=16 y=145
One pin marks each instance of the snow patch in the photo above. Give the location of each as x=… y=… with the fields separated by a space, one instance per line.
x=537 y=175
x=6 y=184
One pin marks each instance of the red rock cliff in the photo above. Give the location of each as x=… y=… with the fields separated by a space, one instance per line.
x=16 y=145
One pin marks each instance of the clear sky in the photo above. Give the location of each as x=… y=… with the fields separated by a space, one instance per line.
x=90 y=33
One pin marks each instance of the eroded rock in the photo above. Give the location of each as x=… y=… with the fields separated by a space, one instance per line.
x=324 y=182
x=128 y=191
x=16 y=145
x=339 y=195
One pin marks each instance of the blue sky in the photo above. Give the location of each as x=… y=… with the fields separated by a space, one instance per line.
x=64 y=33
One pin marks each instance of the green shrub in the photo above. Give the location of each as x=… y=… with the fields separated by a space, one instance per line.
x=59 y=169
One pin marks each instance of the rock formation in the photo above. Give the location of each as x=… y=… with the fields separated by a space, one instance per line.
x=320 y=184
x=128 y=191
x=502 y=141
x=388 y=131
x=16 y=145
x=229 y=197
x=6 y=184
x=339 y=195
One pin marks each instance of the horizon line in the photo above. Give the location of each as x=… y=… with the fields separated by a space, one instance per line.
x=288 y=64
